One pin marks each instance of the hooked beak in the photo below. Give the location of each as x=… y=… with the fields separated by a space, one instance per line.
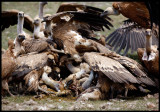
x=21 y=37
x=103 y=14
x=43 y=21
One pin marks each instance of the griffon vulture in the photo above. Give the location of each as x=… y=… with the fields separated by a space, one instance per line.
x=116 y=72
x=149 y=56
x=9 y=18
x=72 y=26
x=8 y=66
x=31 y=63
x=131 y=35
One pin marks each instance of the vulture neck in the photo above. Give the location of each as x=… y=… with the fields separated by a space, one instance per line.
x=50 y=82
x=48 y=26
x=72 y=68
x=20 y=25
x=41 y=11
x=148 y=44
x=36 y=29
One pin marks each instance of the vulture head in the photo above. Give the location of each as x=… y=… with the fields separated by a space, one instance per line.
x=37 y=21
x=46 y=18
x=148 y=33
x=21 y=37
x=43 y=3
x=110 y=11
x=21 y=14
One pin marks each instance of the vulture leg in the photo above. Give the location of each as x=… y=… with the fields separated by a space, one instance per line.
x=126 y=92
x=43 y=90
x=87 y=83
x=5 y=86
x=112 y=92
x=55 y=50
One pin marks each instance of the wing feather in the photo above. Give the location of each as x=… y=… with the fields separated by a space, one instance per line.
x=9 y=18
x=111 y=68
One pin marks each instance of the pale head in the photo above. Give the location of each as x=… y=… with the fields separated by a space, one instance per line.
x=110 y=11
x=21 y=14
x=37 y=21
x=21 y=37
x=46 y=17
x=148 y=32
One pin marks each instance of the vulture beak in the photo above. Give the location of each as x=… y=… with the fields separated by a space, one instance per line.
x=35 y=22
x=43 y=20
x=148 y=32
x=21 y=37
x=103 y=14
x=110 y=11
x=21 y=14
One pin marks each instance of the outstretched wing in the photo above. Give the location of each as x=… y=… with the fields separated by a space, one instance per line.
x=129 y=36
x=135 y=68
x=80 y=8
x=82 y=22
x=111 y=68
x=10 y=18
x=70 y=24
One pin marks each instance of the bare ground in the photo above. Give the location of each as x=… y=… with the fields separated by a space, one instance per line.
x=43 y=102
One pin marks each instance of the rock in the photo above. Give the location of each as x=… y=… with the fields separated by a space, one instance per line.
x=103 y=106
x=5 y=102
x=109 y=103
x=156 y=95
x=149 y=96
x=150 y=105
x=30 y=102
x=51 y=106
x=60 y=107
x=40 y=107
x=90 y=106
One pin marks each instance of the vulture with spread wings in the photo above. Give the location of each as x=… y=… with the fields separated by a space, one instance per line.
x=131 y=35
x=10 y=18
x=71 y=27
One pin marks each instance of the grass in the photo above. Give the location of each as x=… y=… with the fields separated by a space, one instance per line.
x=138 y=103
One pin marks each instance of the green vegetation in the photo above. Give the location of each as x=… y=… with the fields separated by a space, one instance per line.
x=64 y=103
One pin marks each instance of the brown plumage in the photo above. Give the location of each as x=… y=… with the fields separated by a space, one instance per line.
x=118 y=71
x=28 y=62
x=10 y=18
x=149 y=55
x=68 y=30
x=3 y=50
x=18 y=45
x=8 y=66
x=152 y=65
x=79 y=8
x=111 y=68
x=39 y=45
x=136 y=11
x=131 y=34
x=32 y=79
